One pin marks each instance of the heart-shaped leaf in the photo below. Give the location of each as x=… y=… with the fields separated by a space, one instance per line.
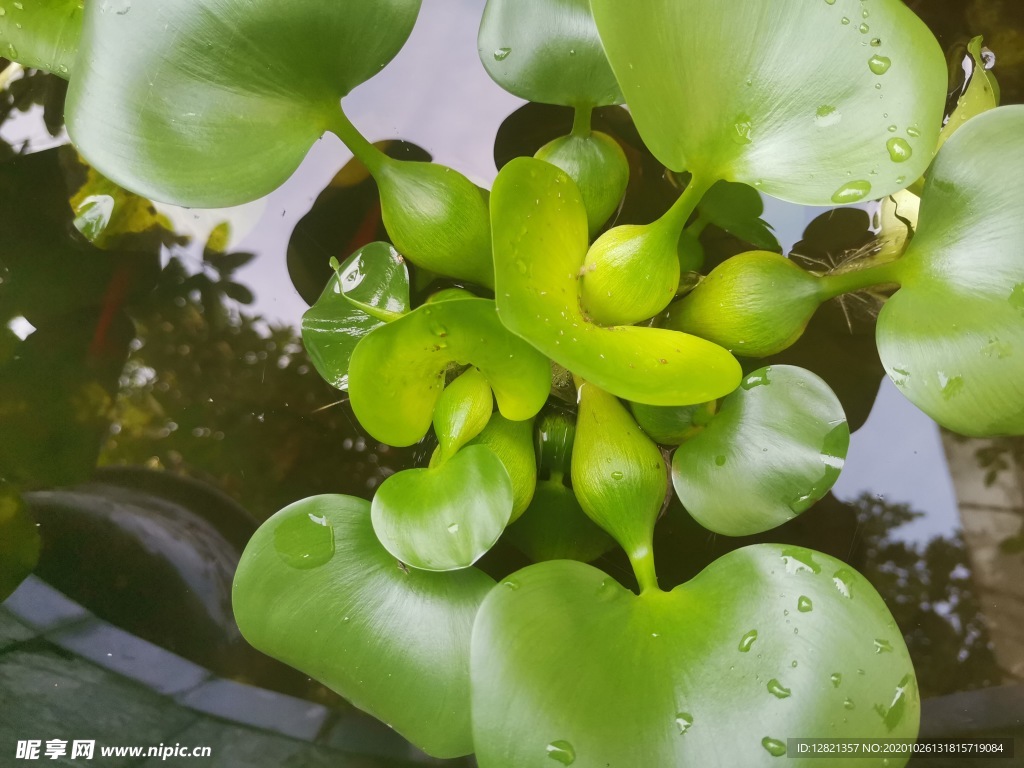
x=794 y=97
x=774 y=448
x=316 y=590
x=767 y=643
x=166 y=99
x=512 y=442
x=446 y=517
x=371 y=287
x=952 y=336
x=42 y=34
x=539 y=225
x=547 y=51
x=397 y=372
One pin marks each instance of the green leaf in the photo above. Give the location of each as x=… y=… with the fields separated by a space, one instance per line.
x=754 y=304
x=981 y=94
x=316 y=590
x=19 y=541
x=952 y=337
x=445 y=517
x=540 y=241
x=618 y=476
x=568 y=667
x=397 y=371
x=671 y=425
x=555 y=527
x=775 y=447
x=599 y=167
x=461 y=413
x=547 y=51
x=371 y=287
x=512 y=443
x=42 y=34
x=737 y=209
x=208 y=106
x=793 y=97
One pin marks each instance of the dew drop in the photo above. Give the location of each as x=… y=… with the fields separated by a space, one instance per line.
x=304 y=541
x=683 y=722
x=892 y=129
x=827 y=115
x=843 y=579
x=799 y=560
x=778 y=690
x=742 y=128
x=913 y=131
x=774 y=747
x=12 y=50
x=804 y=604
x=830 y=2
x=502 y=53
x=851 y=192
x=864 y=29
x=3 y=11
x=899 y=149
x=757 y=379
x=951 y=386
x=883 y=646
x=561 y=752
x=719 y=461
x=510 y=584
x=617 y=475
x=879 y=64
x=847 y=704
x=837 y=679
x=846 y=20
x=453 y=528
x=747 y=641
x=875 y=42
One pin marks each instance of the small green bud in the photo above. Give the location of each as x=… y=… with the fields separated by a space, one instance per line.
x=754 y=304
x=512 y=443
x=672 y=424
x=461 y=413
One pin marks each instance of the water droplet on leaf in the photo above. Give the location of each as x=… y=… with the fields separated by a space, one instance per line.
x=879 y=64
x=774 y=747
x=851 y=192
x=748 y=640
x=304 y=541
x=502 y=53
x=683 y=721
x=778 y=690
x=899 y=149
x=561 y=752
x=804 y=604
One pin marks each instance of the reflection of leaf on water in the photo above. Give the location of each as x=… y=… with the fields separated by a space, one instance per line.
x=32 y=88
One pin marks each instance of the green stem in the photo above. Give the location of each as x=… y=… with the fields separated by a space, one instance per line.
x=642 y=560
x=368 y=154
x=675 y=218
x=847 y=282
x=581 y=121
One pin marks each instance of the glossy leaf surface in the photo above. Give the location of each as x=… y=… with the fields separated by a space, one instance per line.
x=767 y=643
x=461 y=413
x=555 y=527
x=42 y=34
x=371 y=287
x=316 y=590
x=445 y=517
x=791 y=96
x=539 y=226
x=547 y=51
x=671 y=425
x=952 y=337
x=166 y=99
x=775 y=447
x=397 y=372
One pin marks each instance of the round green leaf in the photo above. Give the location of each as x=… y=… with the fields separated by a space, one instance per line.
x=371 y=287
x=316 y=590
x=213 y=104
x=795 y=97
x=775 y=447
x=445 y=517
x=555 y=527
x=547 y=51
x=42 y=34
x=512 y=442
x=397 y=372
x=539 y=225
x=952 y=338
x=767 y=643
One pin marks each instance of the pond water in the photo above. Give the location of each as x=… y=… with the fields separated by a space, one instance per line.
x=214 y=419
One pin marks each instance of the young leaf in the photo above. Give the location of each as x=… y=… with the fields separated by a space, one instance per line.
x=42 y=34
x=547 y=51
x=737 y=209
x=444 y=517
x=461 y=413
x=774 y=448
x=555 y=527
x=540 y=241
x=980 y=95
x=166 y=100
x=793 y=97
x=316 y=590
x=397 y=371
x=951 y=337
x=569 y=668
x=371 y=287
x=671 y=425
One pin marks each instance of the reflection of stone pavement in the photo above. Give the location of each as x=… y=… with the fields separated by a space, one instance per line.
x=64 y=674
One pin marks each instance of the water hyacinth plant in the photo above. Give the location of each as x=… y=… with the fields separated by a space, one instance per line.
x=817 y=102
